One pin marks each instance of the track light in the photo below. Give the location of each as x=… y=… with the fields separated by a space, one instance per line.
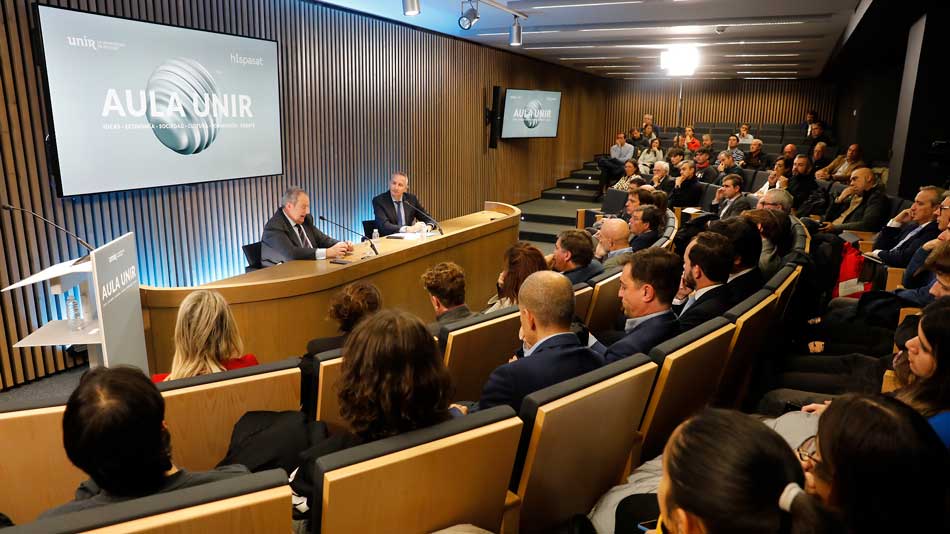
x=469 y=16
x=410 y=8
x=514 y=34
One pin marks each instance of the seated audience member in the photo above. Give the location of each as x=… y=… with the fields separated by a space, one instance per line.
x=819 y=156
x=775 y=228
x=645 y=225
x=674 y=157
x=648 y=283
x=708 y=142
x=291 y=235
x=841 y=167
x=633 y=136
x=816 y=136
x=392 y=381
x=801 y=183
x=726 y=166
x=611 y=167
x=649 y=134
x=399 y=211
x=778 y=178
x=206 y=338
x=746 y=277
x=686 y=190
x=912 y=227
x=650 y=156
x=729 y=200
x=445 y=283
x=635 y=197
x=661 y=177
x=647 y=119
x=574 y=256
x=744 y=136
x=114 y=430
x=662 y=201
x=776 y=199
x=629 y=173
x=552 y=352
x=732 y=146
x=789 y=152
x=521 y=259
x=755 y=159
x=861 y=206
x=811 y=117
x=689 y=139
x=705 y=171
x=613 y=239
x=348 y=307
x=703 y=294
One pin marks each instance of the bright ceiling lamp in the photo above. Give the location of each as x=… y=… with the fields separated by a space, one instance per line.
x=514 y=37
x=680 y=60
x=410 y=8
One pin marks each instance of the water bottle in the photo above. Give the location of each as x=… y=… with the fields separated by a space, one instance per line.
x=375 y=238
x=73 y=316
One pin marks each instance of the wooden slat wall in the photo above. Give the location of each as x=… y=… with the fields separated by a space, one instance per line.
x=360 y=97
x=753 y=101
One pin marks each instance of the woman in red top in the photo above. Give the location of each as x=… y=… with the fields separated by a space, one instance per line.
x=690 y=140
x=206 y=338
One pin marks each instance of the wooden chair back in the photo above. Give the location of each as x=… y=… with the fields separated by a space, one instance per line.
x=328 y=402
x=753 y=319
x=582 y=299
x=785 y=291
x=475 y=347
x=605 y=304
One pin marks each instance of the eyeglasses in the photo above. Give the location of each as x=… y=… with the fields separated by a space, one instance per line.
x=941 y=208
x=808 y=450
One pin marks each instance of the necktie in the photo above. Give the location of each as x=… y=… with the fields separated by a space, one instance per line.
x=911 y=234
x=400 y=214
x=303 y=240
x=689 y=302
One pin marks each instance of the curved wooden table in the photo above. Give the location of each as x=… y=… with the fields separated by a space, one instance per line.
x=280 y=308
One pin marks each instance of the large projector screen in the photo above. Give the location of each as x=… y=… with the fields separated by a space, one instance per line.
x=136 y=104
x=530 y=113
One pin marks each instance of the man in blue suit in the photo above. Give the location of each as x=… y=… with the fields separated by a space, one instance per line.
x=648 y=283
x=552 y=353
x=398 y=210
x=912 y=227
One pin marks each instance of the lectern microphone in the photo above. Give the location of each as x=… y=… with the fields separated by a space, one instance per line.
x=354 y=232
x=431 y=218
x=81 y=241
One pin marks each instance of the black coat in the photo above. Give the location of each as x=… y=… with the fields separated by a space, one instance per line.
x=870 y=215
x=688 y=194
x=712 y=304
x=743 y=287
x=644 y=337
x=280 y=241
x=644 y=240
x=895 y=256
x=387 y=221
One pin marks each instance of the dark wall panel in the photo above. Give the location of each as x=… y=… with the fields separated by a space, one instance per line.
x=360 y=97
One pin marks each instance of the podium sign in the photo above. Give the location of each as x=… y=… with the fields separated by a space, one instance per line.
x=116 y=281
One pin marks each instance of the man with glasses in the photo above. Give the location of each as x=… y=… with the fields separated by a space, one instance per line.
x=912 y=227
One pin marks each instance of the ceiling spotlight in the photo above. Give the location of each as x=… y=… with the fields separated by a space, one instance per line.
x=680 y=60
x=469 y=16
x=514 y=34
x=410 y=8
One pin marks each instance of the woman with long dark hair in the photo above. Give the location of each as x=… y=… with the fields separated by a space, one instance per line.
x=521 y=260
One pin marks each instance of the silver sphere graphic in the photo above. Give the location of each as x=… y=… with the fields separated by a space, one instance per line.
x=531 y=114
x=193 y=87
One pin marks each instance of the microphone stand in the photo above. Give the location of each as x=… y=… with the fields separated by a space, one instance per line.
x=431 y=218
x=362 y=237
x=81 y=241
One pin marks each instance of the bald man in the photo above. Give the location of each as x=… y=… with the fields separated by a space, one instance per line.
x=613 y=239
x=552 y=353
x=862 y=206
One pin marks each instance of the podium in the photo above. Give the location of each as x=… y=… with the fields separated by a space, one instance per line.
x=108 y=285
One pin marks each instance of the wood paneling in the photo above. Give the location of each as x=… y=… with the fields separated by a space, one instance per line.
x=360 y=97
x=753 y=101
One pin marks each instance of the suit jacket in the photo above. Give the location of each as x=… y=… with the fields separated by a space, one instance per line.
x=614 y=260
x=743 y=287
x=738 y=206
x=557 y=359
x=644 y=337
x=644 y=240
x=583 y=274
x=387 y=221
x=280 y=241
x=455 y=314
x=689 y=194
x=800 y=187
x=712 y=304
x=708 y=174
x=667 y=184
x=756 y=162
x=895 y=256
x=837 y=162
x=870 y=215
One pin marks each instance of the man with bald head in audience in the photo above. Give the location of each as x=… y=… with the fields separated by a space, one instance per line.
x=552 y=352
x=788 y=154
x=613 y=239
x=861 y=206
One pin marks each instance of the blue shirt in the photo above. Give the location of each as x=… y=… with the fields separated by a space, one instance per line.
x=941 y=424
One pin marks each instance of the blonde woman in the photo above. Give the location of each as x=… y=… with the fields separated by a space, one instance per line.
x=206 y=338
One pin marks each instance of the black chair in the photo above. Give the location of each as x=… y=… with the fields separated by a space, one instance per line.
x=779 y=278
x=613 y=201
x=759 y=180
x=709 y=194
x=368 y=227
x=252 y=253
x=896 y=204
x=748 y=177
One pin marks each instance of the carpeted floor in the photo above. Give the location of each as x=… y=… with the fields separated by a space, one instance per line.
x=55 y=386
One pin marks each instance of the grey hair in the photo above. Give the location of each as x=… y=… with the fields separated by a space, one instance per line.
x=401 y=173
x=290 y=195
x=726 y=153
x=781 y=197
x=759 y=141
x=663 y=164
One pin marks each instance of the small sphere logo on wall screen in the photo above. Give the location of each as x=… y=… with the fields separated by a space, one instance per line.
x=184 y=106
x=533 y=113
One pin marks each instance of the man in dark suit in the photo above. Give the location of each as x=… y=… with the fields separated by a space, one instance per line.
x=686 y=191
x=574 y=256
x=291 y=235
x=648 y=284
x=802 y=182
x=552 y=352
x=911 y=228
x=445 y=283
x=745 y=278
x=703 y=294
x=397 y=210
x=862 y=206
x=729 y=200
x=645 y=222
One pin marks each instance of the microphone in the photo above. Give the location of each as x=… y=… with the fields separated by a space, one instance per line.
x=420 y=210
x=362 y=237
x=81 y=241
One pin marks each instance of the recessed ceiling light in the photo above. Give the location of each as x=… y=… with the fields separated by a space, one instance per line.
x=761 y=55
x=524 y=32
x=660 y=45
x=593 y=4
x=769 y=78
x=692 y=26
x=612 y=66
x=629 y=73
x=766 y=65
x=590 y=58
x=559 y=47
x=766 y=72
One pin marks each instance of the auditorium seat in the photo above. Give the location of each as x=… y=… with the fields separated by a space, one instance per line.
x=783 y=283
x=329 y=369
x=200 y=413
x=252 y=253
x=748 y=177
x=583 y=293
x=613 y=203
x=452 y=473
x=896 y=205
x=709 y=194
x=368 y=227
x=690 y=366
x=759 y=180
x=576 y=441
x=753 y=319
x=604 y=305
x=257 y=502
x=474 y=347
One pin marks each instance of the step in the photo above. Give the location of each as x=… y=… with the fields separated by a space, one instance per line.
x=561 y=193
x=591 y=165
x=544 y=246
x=579 y=183
x=586 y=173
x=546 y=210
x=543 y=232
